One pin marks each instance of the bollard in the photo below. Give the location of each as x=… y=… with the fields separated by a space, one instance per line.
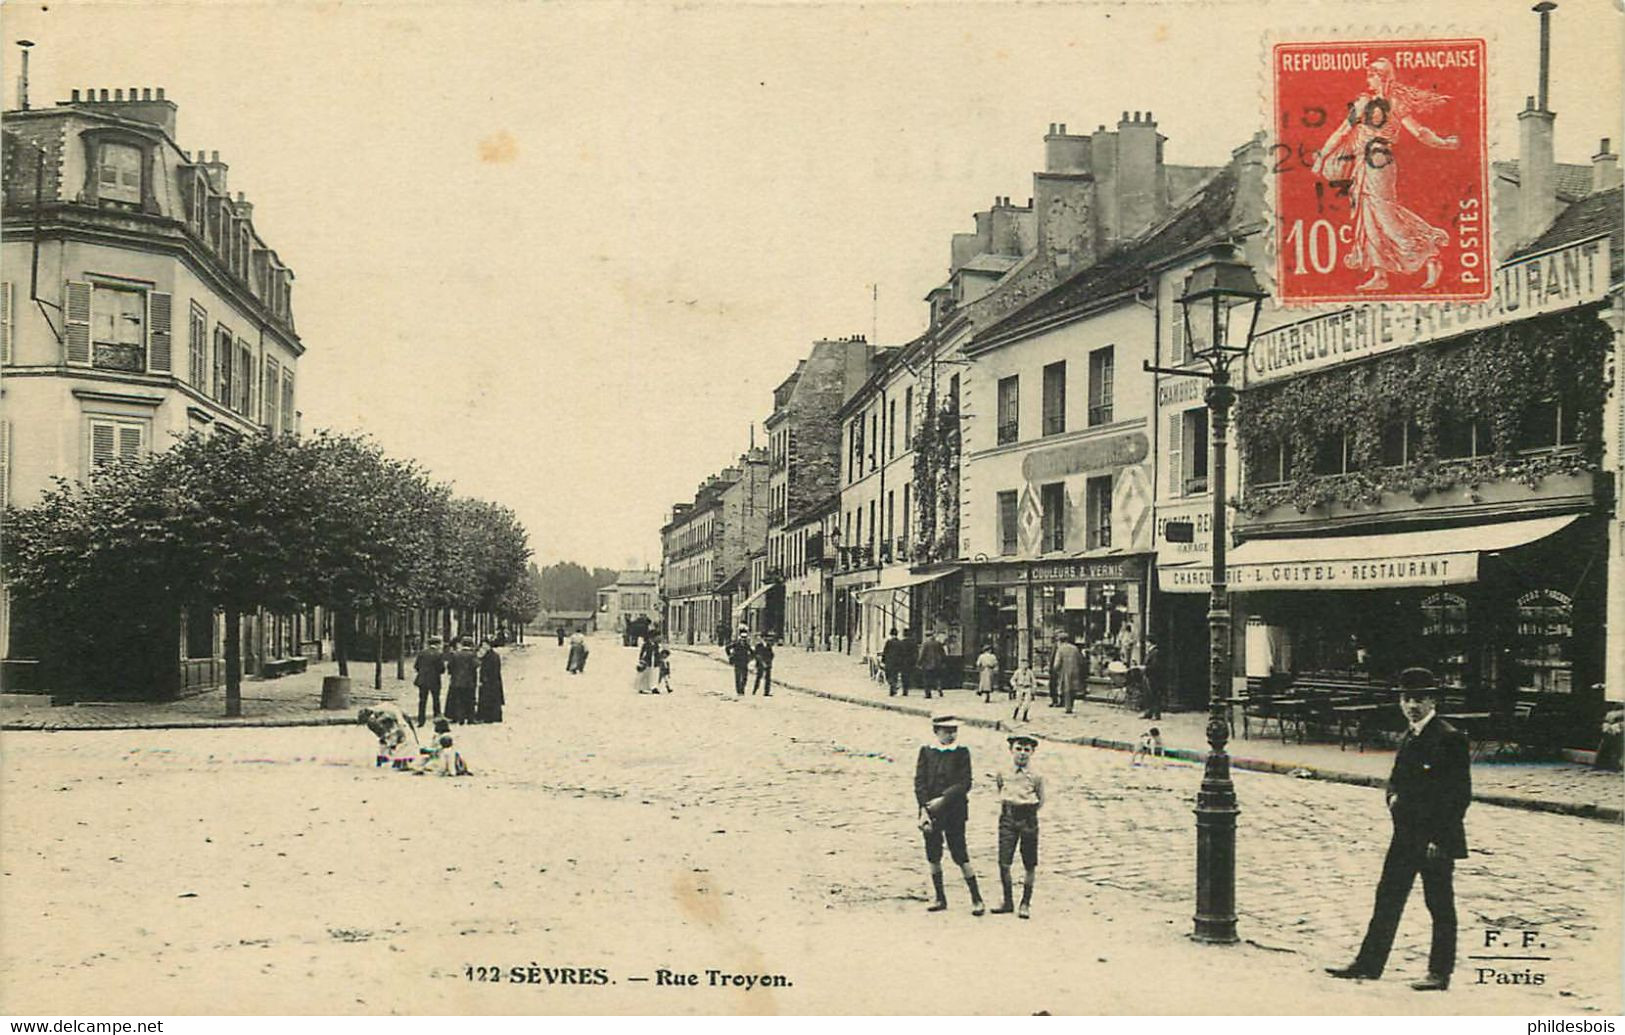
x=335 y=693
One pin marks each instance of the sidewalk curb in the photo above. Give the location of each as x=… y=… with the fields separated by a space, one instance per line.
x=1258 y=765
x=346 y=718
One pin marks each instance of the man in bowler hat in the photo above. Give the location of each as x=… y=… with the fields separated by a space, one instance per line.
x=1428 y=794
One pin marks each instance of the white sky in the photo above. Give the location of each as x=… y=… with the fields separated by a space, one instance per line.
x=685 y=196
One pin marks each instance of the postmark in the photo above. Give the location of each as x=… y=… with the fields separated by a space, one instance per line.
x=1380 y=171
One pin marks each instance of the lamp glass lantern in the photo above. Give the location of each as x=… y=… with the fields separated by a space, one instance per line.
x=1221 y=303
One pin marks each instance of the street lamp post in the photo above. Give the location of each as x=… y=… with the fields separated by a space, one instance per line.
x=1218 y=291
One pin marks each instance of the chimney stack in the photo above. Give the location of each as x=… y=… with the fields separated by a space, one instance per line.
x=22 y=80
x=1605 y=173
x=1537 y=162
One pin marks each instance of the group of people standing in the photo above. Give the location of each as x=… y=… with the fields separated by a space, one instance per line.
x=742 y=652
x=473 y=679
x=906 y=664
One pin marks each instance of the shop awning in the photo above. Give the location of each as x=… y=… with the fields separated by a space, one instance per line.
x=756 y=599
x=1437 y=557
x=905 y=579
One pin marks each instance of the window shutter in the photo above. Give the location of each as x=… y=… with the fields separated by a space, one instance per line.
x=158 y=332
x=287 y=402
x=5 y=322
x=103 y=444
x=271 y=393
x=1176 y=466
x=129 y=441
x=77 y=323
x=5 y=463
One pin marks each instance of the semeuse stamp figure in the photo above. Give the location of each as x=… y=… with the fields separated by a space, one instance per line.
x=1380 y=168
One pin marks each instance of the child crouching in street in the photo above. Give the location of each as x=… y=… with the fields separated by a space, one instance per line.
x=390 y=725
x=942 y=778
x=1021 y=795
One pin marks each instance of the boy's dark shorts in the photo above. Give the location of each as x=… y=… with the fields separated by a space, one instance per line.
x=1018 y=823
x=953 y=832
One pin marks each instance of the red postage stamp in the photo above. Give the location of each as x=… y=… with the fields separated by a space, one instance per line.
x=1381 y=171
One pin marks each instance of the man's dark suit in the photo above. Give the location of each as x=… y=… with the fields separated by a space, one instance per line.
x=1428 y=793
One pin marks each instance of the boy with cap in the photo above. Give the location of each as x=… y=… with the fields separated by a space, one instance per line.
x=1021 y=795
x=942 y=778
x=1428 y=794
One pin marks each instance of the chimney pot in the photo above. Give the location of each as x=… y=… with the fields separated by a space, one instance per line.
x=1529 y=102
x=214 y=156
x=132 y=97
x=1124 y=118
x=75 y=96
x=1149 y=119
x=1063 y=129
x=146 y=93
x=1052 y=129
x=104 y=95
x=118 y=95
x=1100 y=128
x=160 y=93
x=1603 y=147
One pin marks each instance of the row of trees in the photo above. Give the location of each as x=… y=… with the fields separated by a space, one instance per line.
x=236 y=524
x=568 y=586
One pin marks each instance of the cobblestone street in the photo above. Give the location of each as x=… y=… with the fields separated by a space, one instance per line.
x=276 y=870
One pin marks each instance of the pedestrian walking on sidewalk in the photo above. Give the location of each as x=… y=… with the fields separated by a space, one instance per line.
x=933 y=663
x=1428 y=794
x=428 y=667
x=942 y=779
x=1066 y=673
x=1025 y=684
x=1155 y=679
x=763 y=652
x=739 y=654
x=462 y=677
x=987 y=672
x=489 y=708
x=1021 y=795
x=891 y=661
x=560 y=631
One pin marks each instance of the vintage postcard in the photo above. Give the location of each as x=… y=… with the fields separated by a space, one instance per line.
x=811 y=508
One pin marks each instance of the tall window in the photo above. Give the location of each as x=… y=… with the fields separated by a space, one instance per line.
x=1101 y=376
x=1052 y=497
x=224 y=350
x=118 y=173
x=197 y=349
x=891 y=430
x=118 y=328
x=1055 y=398
x=891 y=517
x=1009 y=409
x=874 y=527
x=1444 y=633
x=908 y=417
x=1008 y=533
x=1193 y=439
x=242 y=380
x=1098 y=512
x=874 y=439
x=271 y=394
x=907 y=513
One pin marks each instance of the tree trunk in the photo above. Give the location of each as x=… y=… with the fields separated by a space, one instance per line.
x=378 y=655
x=400 y=655
x=234 y=659
x=342 y=626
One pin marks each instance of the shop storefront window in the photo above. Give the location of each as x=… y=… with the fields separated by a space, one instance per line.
x=1545 y=642
x=1444 y=635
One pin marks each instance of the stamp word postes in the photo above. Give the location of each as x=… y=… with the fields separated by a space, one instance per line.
x=1380 y=171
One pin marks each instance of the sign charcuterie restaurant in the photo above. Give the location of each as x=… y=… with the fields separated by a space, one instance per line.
x=1440 y=569
x=1547 y=282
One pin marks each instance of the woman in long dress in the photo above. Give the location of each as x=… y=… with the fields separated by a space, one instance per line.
x=489 y=708
x=648 y=665
x=1388 y=237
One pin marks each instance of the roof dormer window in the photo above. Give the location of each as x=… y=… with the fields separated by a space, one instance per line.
x=118 y=173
